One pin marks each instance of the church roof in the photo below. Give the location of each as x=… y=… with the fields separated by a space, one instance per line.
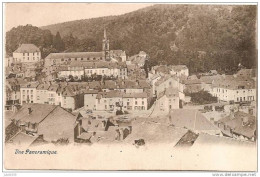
x=75 y=55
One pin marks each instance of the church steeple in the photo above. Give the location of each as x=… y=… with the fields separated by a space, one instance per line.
x=105 y=34
x=105 y=45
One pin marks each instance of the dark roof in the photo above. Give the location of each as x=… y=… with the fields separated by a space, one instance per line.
x=27 y=48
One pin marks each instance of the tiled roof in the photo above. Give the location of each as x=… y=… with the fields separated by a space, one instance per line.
x=169 y=92
x=235 y=83
x=75 y=55
x=43 y=86
x=219 y=140
x=135 y=95
x=236 y=124
x=22 y=139
x=164 y=78
x=191 y=119
x=155 y=133
x=30 y=85
x=39 y=112
x=178 y=67
x=58 y=124
x=53 y=87
x=27 y=48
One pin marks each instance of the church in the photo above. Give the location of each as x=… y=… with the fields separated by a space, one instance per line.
x=56 y=59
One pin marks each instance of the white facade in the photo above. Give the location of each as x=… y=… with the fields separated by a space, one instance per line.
x=28 y=95
x=26 y=57
x=236 y=95
x=167 y=103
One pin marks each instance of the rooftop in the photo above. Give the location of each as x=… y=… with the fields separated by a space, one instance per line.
x=75 y=55
x=27 y=48
x=191 y=119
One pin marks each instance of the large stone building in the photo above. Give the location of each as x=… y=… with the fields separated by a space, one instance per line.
x=27 y=53
x=55 y=59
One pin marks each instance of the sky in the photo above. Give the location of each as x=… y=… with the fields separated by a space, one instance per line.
x=42 y=14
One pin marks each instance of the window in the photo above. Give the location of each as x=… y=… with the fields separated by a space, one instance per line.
x=105 y=106
x=128 y=103
x=105 y=101
x=135 y=102
x=142 y=102
x=62 y=59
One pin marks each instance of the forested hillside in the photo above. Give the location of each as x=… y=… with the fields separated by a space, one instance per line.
x=202 y=37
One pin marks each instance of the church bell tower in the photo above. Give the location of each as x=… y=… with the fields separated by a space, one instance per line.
x=105 y=45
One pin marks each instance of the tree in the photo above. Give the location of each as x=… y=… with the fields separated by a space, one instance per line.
x=58 y=43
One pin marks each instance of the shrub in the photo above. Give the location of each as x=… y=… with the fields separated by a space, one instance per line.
x=202 y=97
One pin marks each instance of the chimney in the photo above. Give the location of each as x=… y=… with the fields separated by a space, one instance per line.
x=250 y=111
x=232 y=114
x=29 y=111
x=212 y=120
x=244 y=121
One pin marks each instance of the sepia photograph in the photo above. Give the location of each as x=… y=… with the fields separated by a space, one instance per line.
x=130 y=86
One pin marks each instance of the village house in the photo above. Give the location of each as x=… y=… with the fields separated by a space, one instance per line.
x=168 y=99
x=28 y=92
x=168 y=81
x=13 y=94
x=53 y=95
x=71 y=97
x=49 y=121
x=135 y=101
x=27 y=53
x=90 y=99
x=109 y=101
x=42 y=94
x=176 y=70
x=179 y=70
x=115 y=100
x=232 y=89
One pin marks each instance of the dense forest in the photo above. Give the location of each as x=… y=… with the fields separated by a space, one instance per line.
x=202 y=37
